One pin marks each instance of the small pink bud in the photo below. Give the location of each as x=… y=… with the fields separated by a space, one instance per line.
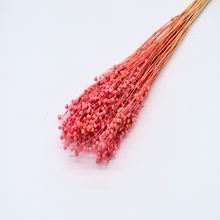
x=98 y=160
x=68 y=135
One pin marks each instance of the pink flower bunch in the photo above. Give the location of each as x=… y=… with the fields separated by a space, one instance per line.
x=101 y=116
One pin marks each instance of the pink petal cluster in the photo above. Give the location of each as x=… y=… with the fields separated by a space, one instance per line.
x=101 y=116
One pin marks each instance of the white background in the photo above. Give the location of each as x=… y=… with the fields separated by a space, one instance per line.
x=168 y=166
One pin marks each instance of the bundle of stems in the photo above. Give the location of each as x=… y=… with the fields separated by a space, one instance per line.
x=100 y=117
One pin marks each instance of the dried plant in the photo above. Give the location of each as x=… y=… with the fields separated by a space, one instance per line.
x=100 y=117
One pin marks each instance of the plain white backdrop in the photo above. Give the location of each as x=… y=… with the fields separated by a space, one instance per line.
x=168 y=166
